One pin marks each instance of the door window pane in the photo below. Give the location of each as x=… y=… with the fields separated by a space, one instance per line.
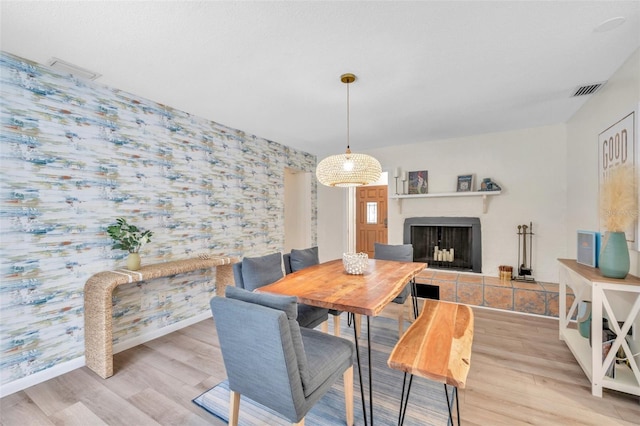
x=372 y=212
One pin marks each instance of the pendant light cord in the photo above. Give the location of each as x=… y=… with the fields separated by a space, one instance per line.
x=348 y=130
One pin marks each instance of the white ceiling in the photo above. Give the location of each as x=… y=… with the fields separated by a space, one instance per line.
x=426 y=70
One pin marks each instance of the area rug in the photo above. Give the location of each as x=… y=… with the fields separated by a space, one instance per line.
x=427 y=405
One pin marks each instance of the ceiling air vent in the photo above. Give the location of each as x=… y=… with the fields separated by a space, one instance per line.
x=588 y=89
x=68 y=68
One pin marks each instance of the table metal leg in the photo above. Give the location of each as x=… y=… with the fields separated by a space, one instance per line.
x=351 y=316
x=355 y=334
x=370 y=381
x=414 y=298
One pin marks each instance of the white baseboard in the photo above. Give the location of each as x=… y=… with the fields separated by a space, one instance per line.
x=154 y=334
x=60 y=369
x=488 y=308
x=41 y=376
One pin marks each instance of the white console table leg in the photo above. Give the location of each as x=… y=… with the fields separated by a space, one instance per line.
x=597 y=370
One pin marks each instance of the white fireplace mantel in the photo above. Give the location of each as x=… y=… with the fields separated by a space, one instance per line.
x=483 y=194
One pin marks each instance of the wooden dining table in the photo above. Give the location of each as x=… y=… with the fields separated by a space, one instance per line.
x=328 y=285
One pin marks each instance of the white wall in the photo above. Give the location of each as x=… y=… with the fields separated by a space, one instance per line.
x=529 y=166
x=297 y=210
x=332 y=222
x=619 y=97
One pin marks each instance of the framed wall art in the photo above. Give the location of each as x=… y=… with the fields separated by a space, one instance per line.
x=419 y=182
x=466 y=183
x=617 y=146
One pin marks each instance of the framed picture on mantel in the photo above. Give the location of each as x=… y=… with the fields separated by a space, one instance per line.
x=419 y=182
x=465 y=183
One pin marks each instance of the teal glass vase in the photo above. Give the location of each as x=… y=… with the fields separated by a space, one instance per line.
x=614 y=255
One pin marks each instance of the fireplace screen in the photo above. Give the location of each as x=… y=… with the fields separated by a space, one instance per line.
x=446 y=243
x=443 y=246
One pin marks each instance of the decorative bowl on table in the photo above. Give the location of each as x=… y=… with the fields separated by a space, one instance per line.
x=355 y=263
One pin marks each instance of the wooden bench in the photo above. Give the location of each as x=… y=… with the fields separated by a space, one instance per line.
x=436 y=346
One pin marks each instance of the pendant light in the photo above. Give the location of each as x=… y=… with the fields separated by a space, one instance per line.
x=348 y=169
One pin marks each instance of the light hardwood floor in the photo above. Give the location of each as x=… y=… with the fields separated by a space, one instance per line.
x=520 y=374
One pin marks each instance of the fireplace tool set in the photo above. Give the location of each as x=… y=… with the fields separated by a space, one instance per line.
x=524 y=269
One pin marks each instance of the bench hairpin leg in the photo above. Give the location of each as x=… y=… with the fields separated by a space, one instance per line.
x=404 y=400
x=455 y=389
x=404 y=383
x=451 y=402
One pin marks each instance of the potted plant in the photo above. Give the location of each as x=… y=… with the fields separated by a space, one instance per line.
x=130 y=238
x=619 y=209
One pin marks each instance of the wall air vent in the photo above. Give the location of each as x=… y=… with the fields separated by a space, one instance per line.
x=68 y=68
x=588 y=89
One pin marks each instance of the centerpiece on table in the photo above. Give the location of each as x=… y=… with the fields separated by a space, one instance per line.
x=130 y=238
x=619 y=210
x=355 y=263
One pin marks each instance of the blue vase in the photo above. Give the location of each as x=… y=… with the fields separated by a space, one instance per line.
x=614 y=255
x=584 y=318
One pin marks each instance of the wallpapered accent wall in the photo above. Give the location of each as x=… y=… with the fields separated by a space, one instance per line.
x=75 y=155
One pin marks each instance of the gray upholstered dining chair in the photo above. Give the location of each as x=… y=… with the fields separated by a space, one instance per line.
x=402 y=253
x=270 y=359
x=303 y=258
x=255 y=272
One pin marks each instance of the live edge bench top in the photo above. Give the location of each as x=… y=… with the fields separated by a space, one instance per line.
x=437 y=345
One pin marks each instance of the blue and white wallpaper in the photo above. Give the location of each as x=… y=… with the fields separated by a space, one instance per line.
x=74 y=156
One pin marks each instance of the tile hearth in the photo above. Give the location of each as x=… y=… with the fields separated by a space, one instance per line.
x=529 y=297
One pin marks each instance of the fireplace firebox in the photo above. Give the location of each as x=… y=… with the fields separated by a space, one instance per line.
x=446 y=242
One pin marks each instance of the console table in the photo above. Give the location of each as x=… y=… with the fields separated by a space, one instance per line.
x=588 y=284
x=98 y=308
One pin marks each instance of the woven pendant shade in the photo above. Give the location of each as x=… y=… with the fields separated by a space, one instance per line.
x=348 y=169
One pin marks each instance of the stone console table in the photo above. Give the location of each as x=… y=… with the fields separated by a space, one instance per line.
x=98 y=308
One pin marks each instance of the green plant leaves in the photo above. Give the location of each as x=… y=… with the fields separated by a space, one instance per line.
x=128 y=237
